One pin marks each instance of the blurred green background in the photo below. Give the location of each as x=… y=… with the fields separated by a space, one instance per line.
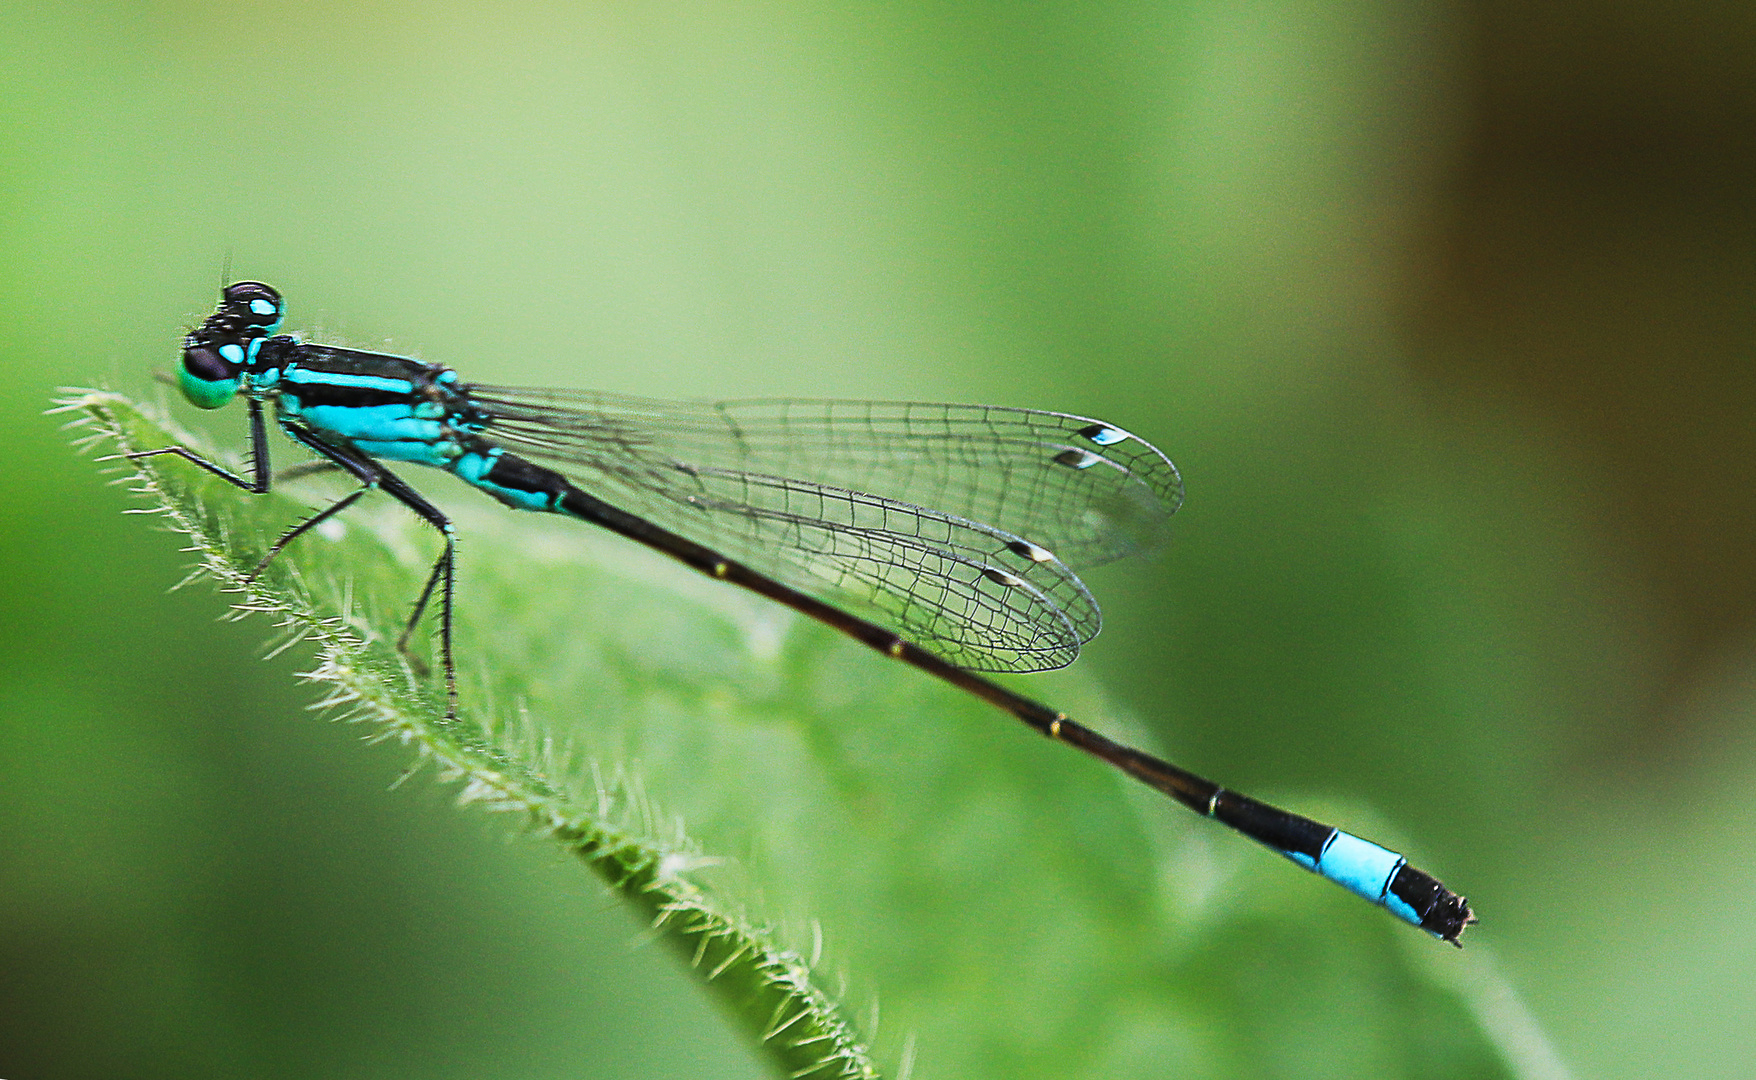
x=1446 y=312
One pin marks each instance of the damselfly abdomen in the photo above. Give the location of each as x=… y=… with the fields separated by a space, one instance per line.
x=945 y=536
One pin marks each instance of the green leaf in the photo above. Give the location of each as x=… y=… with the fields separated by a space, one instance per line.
x=1019 y=910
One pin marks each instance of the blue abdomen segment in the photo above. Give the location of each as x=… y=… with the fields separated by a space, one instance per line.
x=1378 y=874
x=1364 y=869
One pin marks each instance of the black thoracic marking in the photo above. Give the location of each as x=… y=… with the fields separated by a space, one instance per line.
x=315 y=394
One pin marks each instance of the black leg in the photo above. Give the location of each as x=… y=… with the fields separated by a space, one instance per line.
x=260 y=477
x=304 y=469
x=368 y=472
x=441 y=569
x=293 y=533
x=444 y=572
x=373 y=475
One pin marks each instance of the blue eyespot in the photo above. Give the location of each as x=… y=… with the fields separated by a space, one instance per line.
x=253 y=302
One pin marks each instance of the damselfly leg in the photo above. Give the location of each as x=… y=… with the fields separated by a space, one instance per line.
x=371 y=476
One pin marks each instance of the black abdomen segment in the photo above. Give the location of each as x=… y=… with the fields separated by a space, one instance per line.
x=516 y=482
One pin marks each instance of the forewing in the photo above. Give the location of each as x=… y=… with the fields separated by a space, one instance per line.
x=904 y=512
x=1085 y=490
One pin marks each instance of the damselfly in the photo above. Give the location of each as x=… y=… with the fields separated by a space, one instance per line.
x=945 y=536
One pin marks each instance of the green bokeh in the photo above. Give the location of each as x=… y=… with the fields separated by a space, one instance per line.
x=1193 y=220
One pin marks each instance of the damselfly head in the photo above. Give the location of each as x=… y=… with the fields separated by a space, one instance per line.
x=251 y=304
x=216 y=354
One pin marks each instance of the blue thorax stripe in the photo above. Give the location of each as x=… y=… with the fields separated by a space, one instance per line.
x=306 y=377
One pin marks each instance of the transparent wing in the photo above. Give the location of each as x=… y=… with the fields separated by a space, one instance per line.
x=955 y=525
x=1085 y=490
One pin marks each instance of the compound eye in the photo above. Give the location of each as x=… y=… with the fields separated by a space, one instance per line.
x=207 y=379
x=205 y=363
x=254 y=303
